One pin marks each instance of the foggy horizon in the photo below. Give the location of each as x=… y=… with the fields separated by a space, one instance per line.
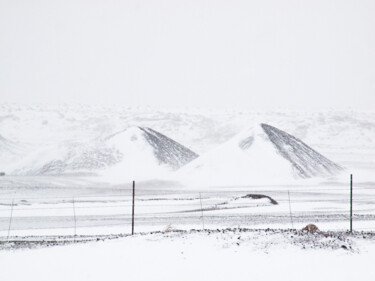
x=209 y=54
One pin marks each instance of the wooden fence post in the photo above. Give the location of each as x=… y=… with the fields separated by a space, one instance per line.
x=10 y=220
x=75 y=220
x=200 y=196
x=133 y=208
x=351 y=203
x=290 y=210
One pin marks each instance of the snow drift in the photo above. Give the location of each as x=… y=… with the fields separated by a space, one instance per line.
x=262 y=154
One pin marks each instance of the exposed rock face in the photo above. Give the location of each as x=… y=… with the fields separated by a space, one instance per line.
x=305 y=160
x=168 y=151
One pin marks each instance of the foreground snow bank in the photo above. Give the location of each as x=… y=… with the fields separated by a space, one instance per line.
x=210 y=255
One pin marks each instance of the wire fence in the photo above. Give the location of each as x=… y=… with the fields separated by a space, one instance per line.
x=328 y=208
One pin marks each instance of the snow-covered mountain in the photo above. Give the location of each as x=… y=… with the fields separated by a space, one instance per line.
x=146 y=154
x=167 y=151
x=67 y=157
x=134 y=151
x=75 y=135
x=10 y=151
x=261 y=154
x=7 y=146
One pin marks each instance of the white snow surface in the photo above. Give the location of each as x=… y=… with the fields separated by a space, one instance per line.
x=192 y=256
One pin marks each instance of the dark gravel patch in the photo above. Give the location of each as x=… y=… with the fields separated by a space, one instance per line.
x=262 y=239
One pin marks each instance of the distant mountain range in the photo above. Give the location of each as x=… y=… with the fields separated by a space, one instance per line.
x=261 y=153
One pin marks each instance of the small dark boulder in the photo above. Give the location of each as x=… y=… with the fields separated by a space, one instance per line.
x=310 y=228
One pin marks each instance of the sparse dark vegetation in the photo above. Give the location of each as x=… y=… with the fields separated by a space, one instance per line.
x=263 y=239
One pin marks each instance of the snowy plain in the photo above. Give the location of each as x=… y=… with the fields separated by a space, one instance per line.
x=217 y=255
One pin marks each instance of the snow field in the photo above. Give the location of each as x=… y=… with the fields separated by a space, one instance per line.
x=219 y=255
x=326 y=205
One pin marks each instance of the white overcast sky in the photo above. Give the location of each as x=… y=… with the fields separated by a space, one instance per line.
x=208 y=53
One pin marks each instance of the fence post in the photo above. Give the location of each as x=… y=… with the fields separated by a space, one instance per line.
x=133 y=208
x=200 y=196
x=290 y=210
x=351 y=203
x=10 y=219
x=75 y=220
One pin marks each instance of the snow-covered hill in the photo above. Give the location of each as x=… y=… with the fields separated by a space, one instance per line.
x=10 y=151
x=134 y=141
x=73 y=135
x=66 y=157
x=133 y=151
x=146 y=154
x=8 y=147
x=262 y=154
